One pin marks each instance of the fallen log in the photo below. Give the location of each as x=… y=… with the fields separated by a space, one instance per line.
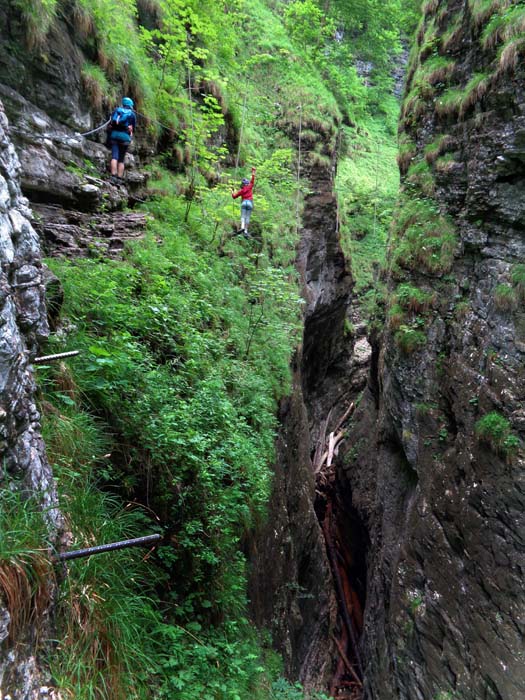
x=347 y=663
x=318 y=456
x=334 y=440
x=332 y=556
x=340 y=668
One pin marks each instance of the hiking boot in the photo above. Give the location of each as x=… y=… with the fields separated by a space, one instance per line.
x=246 y=234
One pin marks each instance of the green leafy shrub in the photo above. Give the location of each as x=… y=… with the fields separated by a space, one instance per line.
x=284 y=690
x=409 y=339
x=307 y=25
x=495 y=430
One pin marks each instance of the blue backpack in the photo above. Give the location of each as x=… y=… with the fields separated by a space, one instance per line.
x=121 y=119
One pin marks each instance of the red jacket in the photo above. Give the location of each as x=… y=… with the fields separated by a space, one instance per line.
x=246 y=191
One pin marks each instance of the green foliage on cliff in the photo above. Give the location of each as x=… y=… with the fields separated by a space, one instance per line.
x=504 y=297
x=367 y=186
x=423 y=236
x=413 y=299
x=184 y=353
x=25 y=566
x=186 y=342
x=496 y=431
x=38 y=16
x=518 y=280
x=409 y=339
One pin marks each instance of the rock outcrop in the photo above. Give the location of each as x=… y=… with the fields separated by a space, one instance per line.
x=72 y=233
x=23 y=325
x=49 y=112
x=436 y=466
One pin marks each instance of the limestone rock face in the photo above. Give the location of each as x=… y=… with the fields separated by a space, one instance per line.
x=22 y=325
x=442 y=488
x=57 y=165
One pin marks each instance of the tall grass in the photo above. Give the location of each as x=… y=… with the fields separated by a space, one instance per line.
x=38 y=17
x=26 y=570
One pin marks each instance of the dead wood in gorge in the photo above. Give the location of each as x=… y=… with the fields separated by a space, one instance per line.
x=347 y=679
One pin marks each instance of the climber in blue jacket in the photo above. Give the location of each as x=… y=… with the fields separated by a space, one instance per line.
x=122 y=125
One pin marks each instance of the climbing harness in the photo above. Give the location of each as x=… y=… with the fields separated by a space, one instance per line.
x=99 y=128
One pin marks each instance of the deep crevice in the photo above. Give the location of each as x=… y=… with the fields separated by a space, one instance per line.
x=347 y=544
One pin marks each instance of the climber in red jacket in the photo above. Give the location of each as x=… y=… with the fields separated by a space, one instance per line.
x=246 y=193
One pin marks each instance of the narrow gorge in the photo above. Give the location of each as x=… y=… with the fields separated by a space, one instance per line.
x=324 y=418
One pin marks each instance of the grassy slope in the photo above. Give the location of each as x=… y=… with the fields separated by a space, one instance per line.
x=185 y=352
x=367 y=186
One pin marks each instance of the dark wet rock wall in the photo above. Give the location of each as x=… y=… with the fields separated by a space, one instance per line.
x=436 y=465
x=291 y=588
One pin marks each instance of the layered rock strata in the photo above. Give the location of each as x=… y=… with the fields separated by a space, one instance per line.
x=50 y=110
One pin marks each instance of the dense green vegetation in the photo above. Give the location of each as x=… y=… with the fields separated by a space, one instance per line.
x=166 y=422
x=367 y=186
x=25 y=569
x=184 y=354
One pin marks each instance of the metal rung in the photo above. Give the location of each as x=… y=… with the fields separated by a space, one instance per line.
x=137 y=542
x=58 y=356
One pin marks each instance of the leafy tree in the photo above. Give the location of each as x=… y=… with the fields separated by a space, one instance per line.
x=307 y=25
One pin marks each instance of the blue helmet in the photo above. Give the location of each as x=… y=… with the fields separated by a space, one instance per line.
x=244 y=181
x=128 y=102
